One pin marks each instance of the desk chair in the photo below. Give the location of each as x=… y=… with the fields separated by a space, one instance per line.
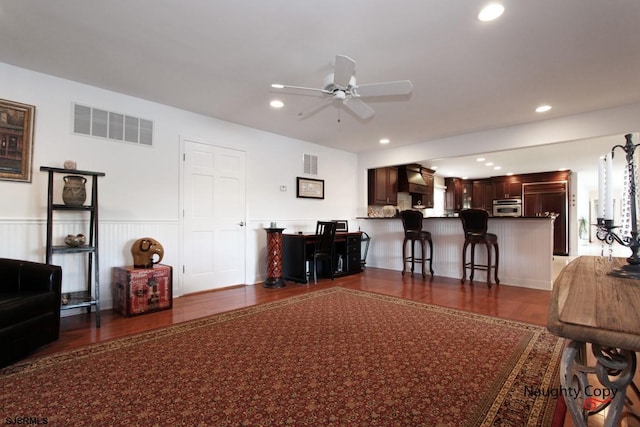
x=474 y=224
x=323 y=248
x=412 y=223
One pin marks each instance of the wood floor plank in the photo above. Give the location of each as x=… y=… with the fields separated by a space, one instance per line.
x=509 y=302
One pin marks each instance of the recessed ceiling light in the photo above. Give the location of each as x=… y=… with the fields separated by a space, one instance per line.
x=433 y=167
x=384 y=141
x=509 y=173
x=497 y=168
x=490 y=12
x=277 y=86
x=489 y=164
x=480 y=159
x=276 y=103
x=543 y=108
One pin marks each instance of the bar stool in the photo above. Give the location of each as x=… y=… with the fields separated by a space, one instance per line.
x=474 y=224
x=412 y=223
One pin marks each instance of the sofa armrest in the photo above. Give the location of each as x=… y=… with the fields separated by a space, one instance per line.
x=18 y=276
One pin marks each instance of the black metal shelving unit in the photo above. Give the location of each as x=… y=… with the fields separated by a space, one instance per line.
x=87 y=298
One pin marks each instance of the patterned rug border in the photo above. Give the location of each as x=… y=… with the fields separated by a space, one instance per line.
x=166 y=331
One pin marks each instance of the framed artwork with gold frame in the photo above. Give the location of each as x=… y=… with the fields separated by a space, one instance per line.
x=16 y=140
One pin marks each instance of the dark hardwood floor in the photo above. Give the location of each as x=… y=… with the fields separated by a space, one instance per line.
x=509 y=302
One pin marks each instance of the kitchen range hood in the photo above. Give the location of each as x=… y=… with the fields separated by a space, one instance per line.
x=410 y=180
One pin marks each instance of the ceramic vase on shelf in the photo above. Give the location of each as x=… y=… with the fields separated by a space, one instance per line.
x=74 y=192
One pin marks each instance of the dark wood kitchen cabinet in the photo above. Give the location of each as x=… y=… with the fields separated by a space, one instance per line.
x=467 y=192
x=453 y=194
x=482 y=194
x=427 y=199
x=541 y=198
x=383 y=186
x=507 y=187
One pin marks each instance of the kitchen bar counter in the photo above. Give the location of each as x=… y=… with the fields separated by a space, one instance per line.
x=526 y=248
x=455 y=217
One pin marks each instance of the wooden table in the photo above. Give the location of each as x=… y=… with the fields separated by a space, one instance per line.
x=297 y=249
x=590 y=307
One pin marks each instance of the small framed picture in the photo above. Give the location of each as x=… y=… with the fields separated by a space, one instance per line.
x=308 y=188
x=16 y=140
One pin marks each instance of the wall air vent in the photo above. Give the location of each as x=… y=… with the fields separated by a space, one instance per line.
x=310 y=164
x=116 y=126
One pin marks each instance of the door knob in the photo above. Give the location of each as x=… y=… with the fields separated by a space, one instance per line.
x=241 y=223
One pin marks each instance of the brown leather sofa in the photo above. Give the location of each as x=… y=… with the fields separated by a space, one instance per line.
x=29 y=307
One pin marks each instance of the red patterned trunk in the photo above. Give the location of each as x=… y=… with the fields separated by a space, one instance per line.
x=142 y=290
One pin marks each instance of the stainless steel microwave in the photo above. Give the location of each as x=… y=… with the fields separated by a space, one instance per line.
x=507 y=207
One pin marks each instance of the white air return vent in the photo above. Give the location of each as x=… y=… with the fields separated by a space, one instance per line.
x=110 y=125
x=116 y=126
x=99 y=123
x=310 y=164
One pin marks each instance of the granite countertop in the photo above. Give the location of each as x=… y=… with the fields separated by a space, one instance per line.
x=455 y=217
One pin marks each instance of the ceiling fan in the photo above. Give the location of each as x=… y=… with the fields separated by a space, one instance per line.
x=341 y=86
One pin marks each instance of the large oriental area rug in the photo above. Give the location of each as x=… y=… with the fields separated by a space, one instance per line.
x=334 y=357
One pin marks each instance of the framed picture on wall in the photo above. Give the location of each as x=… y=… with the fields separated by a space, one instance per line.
x=308 y=188
x=16 y=140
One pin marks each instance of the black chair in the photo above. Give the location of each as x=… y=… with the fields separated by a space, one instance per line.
x=474 y=224
x=324 y=247
x=412 y=223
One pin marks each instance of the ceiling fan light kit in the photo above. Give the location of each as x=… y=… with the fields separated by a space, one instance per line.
x=341 y=85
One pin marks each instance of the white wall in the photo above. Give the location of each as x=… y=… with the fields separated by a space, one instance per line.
x=139 y=196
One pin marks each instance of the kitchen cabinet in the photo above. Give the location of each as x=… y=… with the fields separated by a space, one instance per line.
x=482 y=194
x=507 y=187
x=453 y=194
x=427 y=198
x=541 y=198
x=467 y=192
x=383 y=186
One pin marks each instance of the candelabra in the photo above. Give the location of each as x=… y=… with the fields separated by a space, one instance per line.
x=605 y=231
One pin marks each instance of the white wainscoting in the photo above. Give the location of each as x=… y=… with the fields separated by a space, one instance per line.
x=526 y=248
x=26 y=239
x=257 y=238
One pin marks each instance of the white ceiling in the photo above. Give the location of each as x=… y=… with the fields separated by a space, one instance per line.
x=581 y=157
x=219 y=57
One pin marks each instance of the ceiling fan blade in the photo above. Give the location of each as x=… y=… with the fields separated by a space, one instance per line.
x=400 y=87
x=359 y=108
x=343 y=71
x=297 y=89
x=315 y=108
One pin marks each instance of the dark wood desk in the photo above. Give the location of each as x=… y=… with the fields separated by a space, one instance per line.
x=590 y=307
x=297 y=249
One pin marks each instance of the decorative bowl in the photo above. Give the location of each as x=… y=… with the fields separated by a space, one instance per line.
x=388 y=211
x=75 y=241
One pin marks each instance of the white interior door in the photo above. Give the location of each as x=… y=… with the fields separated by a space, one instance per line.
x=214 y=206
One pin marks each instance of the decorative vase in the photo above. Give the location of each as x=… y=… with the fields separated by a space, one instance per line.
x=74 y=192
